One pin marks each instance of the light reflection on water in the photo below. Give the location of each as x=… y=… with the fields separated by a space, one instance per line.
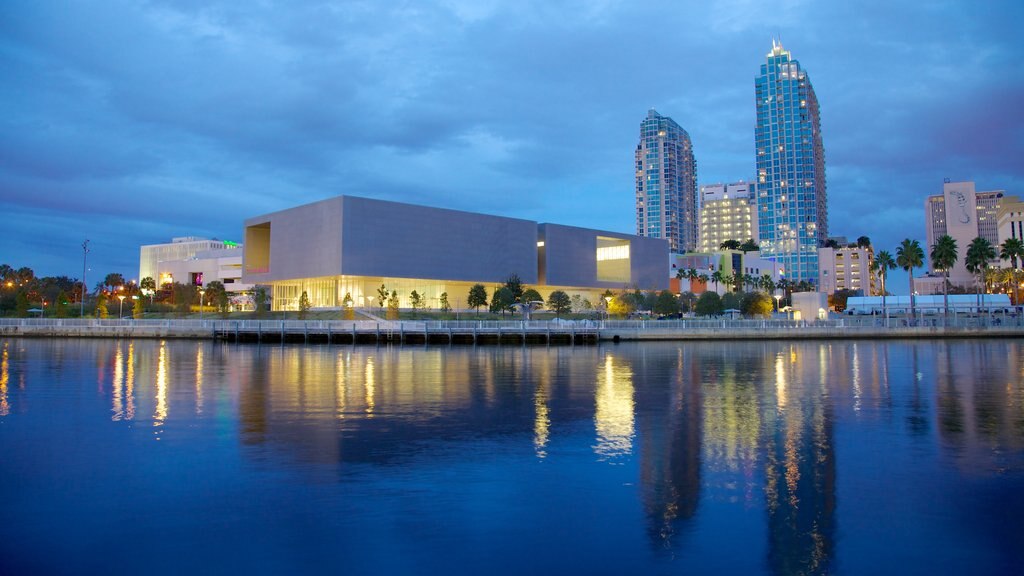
x=757 y=457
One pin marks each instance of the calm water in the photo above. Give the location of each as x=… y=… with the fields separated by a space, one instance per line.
x=672 y=458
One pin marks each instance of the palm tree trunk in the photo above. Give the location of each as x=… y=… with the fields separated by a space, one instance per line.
x=945 y=292
x=910 y=275
x=885 y=312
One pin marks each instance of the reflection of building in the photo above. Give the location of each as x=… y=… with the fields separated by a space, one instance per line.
x=178 y=250
x=666 y=183
x=791 y=197
x=727 y=212
x=350 y=245
x=846 y=268
x=965 y=215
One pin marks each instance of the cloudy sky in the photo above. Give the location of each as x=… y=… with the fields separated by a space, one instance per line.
x=130 y=122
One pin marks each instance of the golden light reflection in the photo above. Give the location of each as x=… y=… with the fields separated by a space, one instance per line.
x=541 y=421
x=370 y=387
x=340 y=385
x=613 y=417
x=118 y=385
x=5 y=407
x=161 y=387
x=780 y=381
x=855 y=370
x=129 y=384
x=199 y=379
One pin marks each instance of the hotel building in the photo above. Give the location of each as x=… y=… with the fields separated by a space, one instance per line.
x=846 y=268
x=666 y=183
x=727 y=213
x=352 y=245
x=791 y=196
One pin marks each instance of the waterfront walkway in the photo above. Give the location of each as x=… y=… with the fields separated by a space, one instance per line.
x=552 y=332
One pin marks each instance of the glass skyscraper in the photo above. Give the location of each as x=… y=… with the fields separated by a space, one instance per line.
x=666 y=183
x=792 y=203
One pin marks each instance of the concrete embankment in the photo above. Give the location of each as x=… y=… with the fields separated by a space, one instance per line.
x=123 y=331
x=809 y=332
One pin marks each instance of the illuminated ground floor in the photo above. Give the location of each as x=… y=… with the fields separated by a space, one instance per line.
x=330 y=292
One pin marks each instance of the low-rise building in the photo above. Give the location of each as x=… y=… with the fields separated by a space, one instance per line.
x=351 y=246
x=846 y=268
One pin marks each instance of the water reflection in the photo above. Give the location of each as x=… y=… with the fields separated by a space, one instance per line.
x=697 y=438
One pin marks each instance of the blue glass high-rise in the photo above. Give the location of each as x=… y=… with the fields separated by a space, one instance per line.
x=666 y=183
x=792 y=201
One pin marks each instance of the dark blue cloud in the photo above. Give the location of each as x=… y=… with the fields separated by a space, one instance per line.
x=128 y=123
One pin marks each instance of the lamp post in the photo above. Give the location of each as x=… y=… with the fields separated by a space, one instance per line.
x=607 y=307
x=43 y=311
x=778 y=299
x=120 y=306
x=85 y=254
x=202 y=295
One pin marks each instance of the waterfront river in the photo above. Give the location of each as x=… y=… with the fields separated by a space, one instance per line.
x=176 y=457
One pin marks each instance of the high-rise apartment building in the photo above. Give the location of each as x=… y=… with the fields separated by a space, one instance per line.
x=964 y=214
x=666 y=183
x=792 y=207
x=727 y=212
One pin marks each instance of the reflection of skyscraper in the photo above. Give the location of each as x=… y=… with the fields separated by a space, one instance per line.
x=669 y=419
x=666 y=183
x=792 y=211
x=800 y=471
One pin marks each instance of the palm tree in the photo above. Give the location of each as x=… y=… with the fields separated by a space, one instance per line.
x=881 y=265
x=979 y=253
x=909 y=255
x=1012 y=249
x=944 y=256
x=767 y=283
x=730 y=245
x=716 y=277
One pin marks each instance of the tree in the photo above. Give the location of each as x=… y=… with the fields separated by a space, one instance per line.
x=729 y=245
x=767 y=284
x=716 y=277
x=304 y=305
x=502 y=299
x=531 y=295
x=559 y=302
x=382 y=296
x=61 y=305
x=863 y=242
x=113 y=280
x=477 y=297
x=709 y=304
x=881 y=265
x=749 y=246
x=260 y=301
x=443 y=303
x=1012 y=249
x=622 y=304
x=21 y=305
x=979 y=253
x=515 y=285
x=101 y=306
x=832 y=243
x=943 y=257
x=416 y=301
x=148 y=286
x=393 y=305
x=666 y=303
x=909 y=255
x=731 y=301
x=756 y=304
x=347 y=306
x=138 y=308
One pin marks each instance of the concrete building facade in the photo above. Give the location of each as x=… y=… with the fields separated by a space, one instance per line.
x=1010 y=219
x=846 y=268
x=964 y=214
x=666 y=183
x=727 y=212
x=351 y=246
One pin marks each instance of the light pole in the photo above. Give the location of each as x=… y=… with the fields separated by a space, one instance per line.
x=43 y=311
x=202 y=295
x=778 y=299
x=120 y=306
x=85 y=254
x=607 y=307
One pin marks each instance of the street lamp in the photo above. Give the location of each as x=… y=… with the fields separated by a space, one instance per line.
x=43 y=311
x=120 y=306
x=607 y=307
x=202 y=295
x=778 y=300
x=85 y=255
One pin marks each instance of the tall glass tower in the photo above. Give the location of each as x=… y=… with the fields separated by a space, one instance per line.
x=666 y=183
x=792 y=204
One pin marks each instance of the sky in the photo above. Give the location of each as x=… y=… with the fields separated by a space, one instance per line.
x=131 y=122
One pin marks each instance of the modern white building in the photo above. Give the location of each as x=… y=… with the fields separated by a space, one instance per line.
x=348 y=245
x=846 y=268
x=727 y=212
x=223 y=265
x=177 y=250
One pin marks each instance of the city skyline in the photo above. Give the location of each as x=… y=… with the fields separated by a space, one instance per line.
x=130 y=125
